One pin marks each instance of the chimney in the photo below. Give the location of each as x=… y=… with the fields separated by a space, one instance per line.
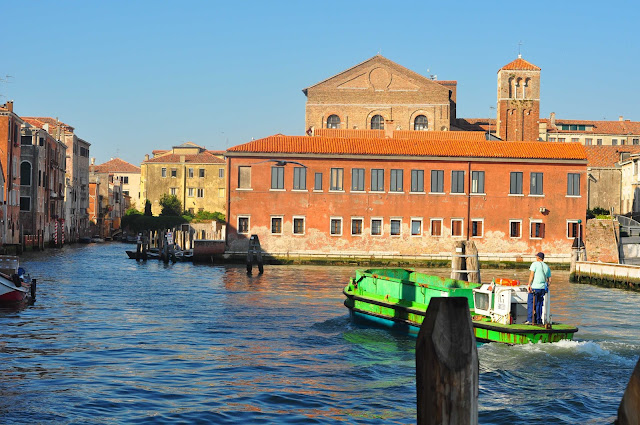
x=620 y=118
x=182 y=158
x=552 y=118
x=146 y=157
x=388 y=129
x=10 y=105
x=93 y=161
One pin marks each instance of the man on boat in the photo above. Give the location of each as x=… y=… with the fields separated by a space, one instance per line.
x=538 y=284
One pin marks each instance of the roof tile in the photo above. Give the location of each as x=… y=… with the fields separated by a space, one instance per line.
x=520 y=64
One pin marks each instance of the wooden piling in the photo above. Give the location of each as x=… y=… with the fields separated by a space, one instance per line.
x=254 y=251
x=629 y=412
x=447 y=364
x=458 y=262
x=472 y=263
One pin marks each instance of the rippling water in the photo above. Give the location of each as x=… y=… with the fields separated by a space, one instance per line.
x=110 y=340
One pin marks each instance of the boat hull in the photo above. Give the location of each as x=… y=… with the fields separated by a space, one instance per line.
x=369 y=296
x=10 y=294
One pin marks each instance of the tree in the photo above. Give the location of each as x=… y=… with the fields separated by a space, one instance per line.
x=170 y=205
x=147 y=208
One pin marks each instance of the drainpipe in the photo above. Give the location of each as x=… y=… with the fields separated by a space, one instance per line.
x=468 y=200
x=228 y=215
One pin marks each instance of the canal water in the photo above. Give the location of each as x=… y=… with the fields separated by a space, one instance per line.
x=110 y=340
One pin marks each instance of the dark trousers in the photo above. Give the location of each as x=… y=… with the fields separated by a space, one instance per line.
x=538 y=294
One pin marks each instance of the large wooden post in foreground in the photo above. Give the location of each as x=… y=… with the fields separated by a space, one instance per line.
x=629 y=410
x=447 y=364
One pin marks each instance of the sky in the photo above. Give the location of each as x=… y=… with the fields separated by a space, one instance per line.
x=134 y=76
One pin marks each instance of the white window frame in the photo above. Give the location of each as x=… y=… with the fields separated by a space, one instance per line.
x=532 y=221
x=189 y=192
x=362 y=227
x=248 y=217
x=381 y=226
x=471 y=228
x=400 y=229
x=461 y=220
x=431 y=227
x=419 y=219
x=281 y=217
x=199 y=191
x=567 y=228
x=331 y=218
x=515 y=221
x=304 y=225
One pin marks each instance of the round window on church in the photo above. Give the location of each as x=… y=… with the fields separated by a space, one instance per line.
x=333 y=121
x=377 y=122
x=421 y=123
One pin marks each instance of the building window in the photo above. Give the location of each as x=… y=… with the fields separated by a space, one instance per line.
x=537 y=230
x=190 y=192
x=477 y=227
x=416 y=227
x=614 y=142
x=436 y=227
x=244 y=177
x=164 y=172
x=125 y=180
x=26 y=140
x=191 y=211
x=333 y=121
x=376 y=226
x=356 y=226
x=25 y=203
x=396 y=226
x=598 y=142
x=417 y=181
x=457 y=182
x=174 y=191
x=515 y=228
x=357 y=179
x=25 y=173
x=574 y=229
x=201 y=173
x=516 y=183
x=243 y=224
x=298 y=225
x=190 y=172
x=199 y=192
x=395 y=185
x=221 y=192
x=277 y=178
x=420 y=123
x=318 y=182
x=552 y=139
x=377 y=122
x=174 y=172
x=573 y=184
x=276 y=225
x=536 y=184
x=337 y=176
x=456 y=227
x=377 y=180
x=477 y=182
x=561 y=139
x=299 y=178
x=636 y=141
x=575 y=140
x=336 y=226
x=221 y=173
x=588 y=141
x=437 y=181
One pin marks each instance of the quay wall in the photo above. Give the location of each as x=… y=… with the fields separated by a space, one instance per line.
x=609 y=275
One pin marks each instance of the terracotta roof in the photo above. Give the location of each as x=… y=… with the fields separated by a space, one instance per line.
x=476 y=124
x=115 y=165
x=201 y=158
x=520 y=64
x=446 y=82
x=400 y=134
x=53 y=123
x=280 y=144
x=607 y=156
x=599 y=127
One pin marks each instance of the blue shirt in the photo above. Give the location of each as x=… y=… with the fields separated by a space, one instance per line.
x=541 y=272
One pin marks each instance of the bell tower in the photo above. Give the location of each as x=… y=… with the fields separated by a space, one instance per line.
x=518 y=110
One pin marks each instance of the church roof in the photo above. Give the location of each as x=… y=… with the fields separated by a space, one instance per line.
x=426 y=147
x=115 y=165
x=520 y=64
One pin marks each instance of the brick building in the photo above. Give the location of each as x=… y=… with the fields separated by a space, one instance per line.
x=10 y=124
x=369 y=194
x=190 y=172
x=379 y=93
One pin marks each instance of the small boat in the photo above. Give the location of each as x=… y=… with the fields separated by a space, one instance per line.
x=96 y=239
x=17 y=288
x=400 y=297
x=84 y=239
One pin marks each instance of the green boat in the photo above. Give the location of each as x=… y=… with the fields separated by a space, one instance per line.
x=399 y=298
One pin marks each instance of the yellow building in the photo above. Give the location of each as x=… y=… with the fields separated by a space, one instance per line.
x=192 y=173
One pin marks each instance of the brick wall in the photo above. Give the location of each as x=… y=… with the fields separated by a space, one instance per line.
x=600 y=241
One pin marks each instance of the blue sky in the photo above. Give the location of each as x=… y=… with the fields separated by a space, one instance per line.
x=133 y=76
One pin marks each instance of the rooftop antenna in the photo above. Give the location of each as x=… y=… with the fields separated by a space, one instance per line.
x=519 y=45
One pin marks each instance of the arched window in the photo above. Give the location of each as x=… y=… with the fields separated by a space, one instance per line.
x=333 y=121
x=511 y=87
x=518 y=84
x=377 y=122
x=421 y=123
x=25 y=173
x=526 y=92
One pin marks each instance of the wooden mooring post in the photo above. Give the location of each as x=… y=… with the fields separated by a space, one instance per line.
x=629 y=410
x=465 y=264
x=447 y=365
x=254 y=251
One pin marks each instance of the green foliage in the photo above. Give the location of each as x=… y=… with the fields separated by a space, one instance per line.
x=132 y=211
x=171 y=205
x=138 y=222
x=147 y=208
x=206 y=215
x=598 y=212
